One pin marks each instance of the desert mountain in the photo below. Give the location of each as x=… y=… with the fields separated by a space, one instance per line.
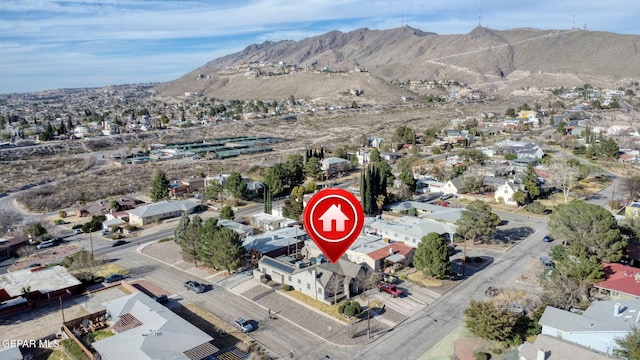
x=485 y=58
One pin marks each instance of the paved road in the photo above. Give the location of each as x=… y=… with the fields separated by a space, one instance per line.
x=435 y=321
x=278 y=335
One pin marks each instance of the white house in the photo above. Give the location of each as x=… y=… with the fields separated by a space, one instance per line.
x=597 y=327
x=334 y=165
x=504 y=193
x=454 y=186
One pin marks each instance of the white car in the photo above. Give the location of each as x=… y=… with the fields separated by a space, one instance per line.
x=243 y=325
x=78 y=231
x=46 y=244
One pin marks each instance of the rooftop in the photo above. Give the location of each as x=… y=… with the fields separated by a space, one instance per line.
x=152 y=332
x=44 y=280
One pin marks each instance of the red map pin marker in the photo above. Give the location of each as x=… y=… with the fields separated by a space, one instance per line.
x=333 y=218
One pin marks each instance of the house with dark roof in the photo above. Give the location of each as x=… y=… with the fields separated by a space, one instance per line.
x=621 y=281
x=321 y=281
x=595 y=328
x=454 y=186
x=145 y=329
x=504 y=193
x=273 y=243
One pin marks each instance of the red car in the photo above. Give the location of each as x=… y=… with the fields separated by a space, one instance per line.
x=443 y=203
x=389 y=288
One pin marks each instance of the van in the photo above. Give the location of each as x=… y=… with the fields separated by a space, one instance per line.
x=547 y=263
x=46 y=244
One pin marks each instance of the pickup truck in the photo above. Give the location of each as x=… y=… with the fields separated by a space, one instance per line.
x=390 y=288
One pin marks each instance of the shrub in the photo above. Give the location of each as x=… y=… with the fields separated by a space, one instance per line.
x=536 y=207
x=350 y=308
x=350 y=311
x=166 y=239
x=76 y=226
x=496 y=351
x=74 y=350
x=403 y=276
x=481 y=356
x=287 y=288
x=59 y=222
x=341 y=308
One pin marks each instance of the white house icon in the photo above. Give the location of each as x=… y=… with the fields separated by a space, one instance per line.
x=334 y=213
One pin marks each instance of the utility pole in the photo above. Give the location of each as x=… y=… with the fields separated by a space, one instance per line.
x=369 y=316
x=464 y=257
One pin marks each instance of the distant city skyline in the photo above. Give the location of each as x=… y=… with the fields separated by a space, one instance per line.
x=51 y=44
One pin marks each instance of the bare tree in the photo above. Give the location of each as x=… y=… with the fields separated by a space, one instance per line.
x=84 y=265
x=334 y=284
x=564 y=177
x=26 y=250
x=8 y=219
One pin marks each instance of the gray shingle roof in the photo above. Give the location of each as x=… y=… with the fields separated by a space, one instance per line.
x=162 y=335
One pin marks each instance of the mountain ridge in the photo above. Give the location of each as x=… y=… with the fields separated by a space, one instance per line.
x=482 y=57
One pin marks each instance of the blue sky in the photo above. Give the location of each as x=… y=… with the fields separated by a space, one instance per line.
x=48 y=44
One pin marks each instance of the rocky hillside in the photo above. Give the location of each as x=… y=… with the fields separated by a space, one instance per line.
x=484 y=57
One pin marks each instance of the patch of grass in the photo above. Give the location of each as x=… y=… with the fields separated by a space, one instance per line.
x=110 y=268
x=100 y=334
x=419 y=278
x=53 y=355
x=165 y=240
x=331 y=310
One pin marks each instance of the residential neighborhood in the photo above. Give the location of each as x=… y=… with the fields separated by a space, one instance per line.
x=194 y=246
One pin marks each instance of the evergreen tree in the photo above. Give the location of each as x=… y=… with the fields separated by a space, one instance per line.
x=629 y=345
x=477 y=221
x=294 y=170
x=274 y=178
x=213 y=190
x=374 y=156
x=181 y=229
x=313 y=168
x=235 y=186
x=431 y=257
x=159 y=187
x=226 y=250
x=227 y=213
x=69 y=124
x=484 y=320
x=293 y=206
x=530 y=180
x=267 y=200
x=591 y=226
x=191 y=240
x=62 y=129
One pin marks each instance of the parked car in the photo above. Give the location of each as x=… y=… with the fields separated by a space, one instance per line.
x=243 y=325
x=105 y=232
x=446 y=196
x=443 y=203
x=46 y=244
x=162 y=299
x=547 y=239
x=113 y=278
x=389 y=288
x=118 y=243
x=34 y=265
x=78 y=231
x=195 y=286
